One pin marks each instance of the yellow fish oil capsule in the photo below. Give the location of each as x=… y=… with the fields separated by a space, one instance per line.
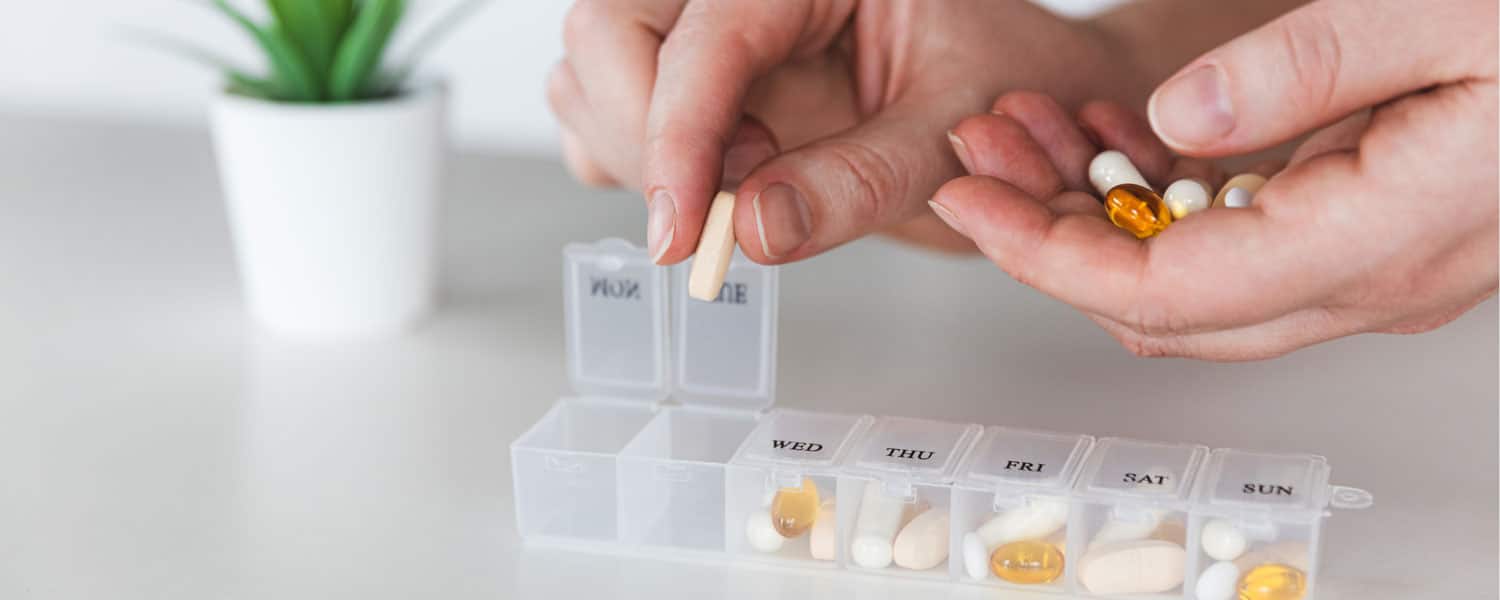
x=1027 y=562
x=1138 y=210
x=1273 y=582
x=794 y=510
x=1128 y=200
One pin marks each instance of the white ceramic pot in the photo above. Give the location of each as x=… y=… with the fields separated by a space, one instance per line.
x=333 y=209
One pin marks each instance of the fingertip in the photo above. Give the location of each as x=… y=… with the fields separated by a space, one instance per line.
x=998 y=146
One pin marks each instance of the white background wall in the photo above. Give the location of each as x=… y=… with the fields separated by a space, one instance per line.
x=72 y=57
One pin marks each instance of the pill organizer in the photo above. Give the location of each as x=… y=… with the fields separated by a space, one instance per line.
x=669 y=447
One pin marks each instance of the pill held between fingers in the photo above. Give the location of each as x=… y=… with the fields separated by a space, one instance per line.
x=1239 y=191
x=822 y=542
x=1112 y=168
x=1185 y=197
x=923 y=543
x=880 y=518
x=715 y=248
x=1218 y=582
x=761 y=534
x=1223 y=541
x=1141 y=567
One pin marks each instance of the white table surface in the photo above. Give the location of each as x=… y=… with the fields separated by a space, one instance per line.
x=153 y=445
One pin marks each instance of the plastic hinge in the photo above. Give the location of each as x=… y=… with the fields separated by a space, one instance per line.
x=1350 y=498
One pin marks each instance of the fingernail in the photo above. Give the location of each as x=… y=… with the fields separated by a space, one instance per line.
x=1193 y=109
x=948 y=217
x=742 y=158
x=962 y=150
x=661 y=224
x=782 y=218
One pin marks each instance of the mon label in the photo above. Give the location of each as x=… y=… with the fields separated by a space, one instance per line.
x=618 y=289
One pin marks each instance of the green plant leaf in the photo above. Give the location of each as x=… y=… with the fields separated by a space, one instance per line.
x=389 y=81
x=239 y=81
x=315 y=27
x=289 y=68
x=358 y=56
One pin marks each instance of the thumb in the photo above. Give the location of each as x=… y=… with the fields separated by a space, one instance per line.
x=812 y=199
x=1314 y=66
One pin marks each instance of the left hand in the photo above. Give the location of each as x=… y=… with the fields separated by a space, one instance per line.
x=1384 y=221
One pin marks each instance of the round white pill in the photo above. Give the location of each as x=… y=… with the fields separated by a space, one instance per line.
x=1218 y=581
x=1223 y=541
x=1111 y=168
x=1238 y=198
x=1185 y=197
x=871 y=551
x=761 y=534
x=976 y=557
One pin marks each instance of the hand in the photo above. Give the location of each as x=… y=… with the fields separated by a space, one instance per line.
x=828 y=115
x=1384 y=221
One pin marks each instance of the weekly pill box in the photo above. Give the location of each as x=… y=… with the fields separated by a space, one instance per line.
x=668 y=446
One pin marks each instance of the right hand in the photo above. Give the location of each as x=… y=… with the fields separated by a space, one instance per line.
x=827 y=115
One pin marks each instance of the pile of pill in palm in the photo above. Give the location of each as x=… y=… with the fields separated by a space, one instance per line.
x=1131 y=204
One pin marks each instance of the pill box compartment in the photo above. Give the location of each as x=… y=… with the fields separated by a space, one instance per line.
x=1127 y=531
x=1256 y=521
x=564 y=468
x=898 y=479
x=1011 y=501
x=785 y=472
x=672 y=475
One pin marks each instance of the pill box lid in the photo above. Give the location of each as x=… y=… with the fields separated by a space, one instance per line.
x=1158 y=472
x=724 y=351
x=911 y=450
x=1005 y=457
x=801 y=441
x=1244 y=480
x=615 y=313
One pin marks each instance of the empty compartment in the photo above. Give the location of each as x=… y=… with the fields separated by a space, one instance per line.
x=1255 y=525
x=672 y=478
x=1129 y=520
x=898 y=479
x=783 y=500
x=1011 y=504
x=563 y=469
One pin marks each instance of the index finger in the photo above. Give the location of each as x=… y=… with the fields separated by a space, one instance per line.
x=707 y=64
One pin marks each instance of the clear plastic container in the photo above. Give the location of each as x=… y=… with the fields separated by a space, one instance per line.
x=613 y=465
x=899 y=481
x=1011 y=502
x=1256 y=521
x=786 y=471
x=1127 y=531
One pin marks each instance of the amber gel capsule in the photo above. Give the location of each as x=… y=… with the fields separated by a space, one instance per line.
x=1027 y=563
x=794 y=510
x=1137 y=209
x=1273 y=582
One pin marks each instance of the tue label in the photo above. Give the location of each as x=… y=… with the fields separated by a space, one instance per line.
x=733 y=293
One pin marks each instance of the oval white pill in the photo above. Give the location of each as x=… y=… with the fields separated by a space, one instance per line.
x=1111 y=168
x=1185 y=197
x=1142 y=567
x=761 y=533
x=1217 y=582
x=976 y=557
x=1127 y=530
x=822 y=542
x=923 y=543
x=1223 y=541
x=1240 y=190
x=1037 y=519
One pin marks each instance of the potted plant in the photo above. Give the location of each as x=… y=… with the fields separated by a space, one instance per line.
x=331 y=166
